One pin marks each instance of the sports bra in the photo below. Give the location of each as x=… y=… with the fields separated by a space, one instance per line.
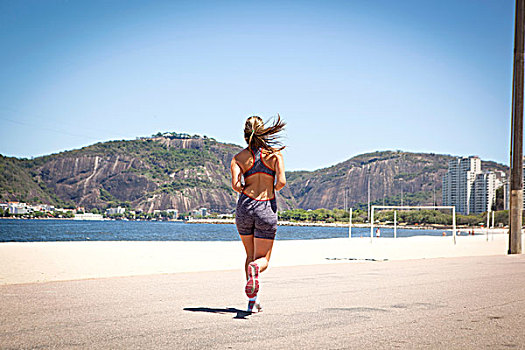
x=258 y=165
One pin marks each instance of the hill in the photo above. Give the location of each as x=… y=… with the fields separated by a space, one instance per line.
x=395 y=177
x=171 y=171
x=187 y=172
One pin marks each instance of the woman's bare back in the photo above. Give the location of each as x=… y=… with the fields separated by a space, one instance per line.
x=260 y=185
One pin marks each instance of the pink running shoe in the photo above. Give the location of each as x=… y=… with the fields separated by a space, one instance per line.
x=252 y=286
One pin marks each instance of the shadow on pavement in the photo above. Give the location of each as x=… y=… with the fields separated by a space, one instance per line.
x=240 y=314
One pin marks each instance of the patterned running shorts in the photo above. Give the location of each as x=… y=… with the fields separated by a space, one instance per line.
x=258 y=218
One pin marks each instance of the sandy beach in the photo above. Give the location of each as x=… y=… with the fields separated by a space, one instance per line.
x=22 y=262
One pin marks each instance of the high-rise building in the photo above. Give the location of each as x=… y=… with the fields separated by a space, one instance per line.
x=458 y=182
x=467 y=188
x=484 y=189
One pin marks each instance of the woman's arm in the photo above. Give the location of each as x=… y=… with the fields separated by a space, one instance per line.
x=280 y=176
x=236 y=176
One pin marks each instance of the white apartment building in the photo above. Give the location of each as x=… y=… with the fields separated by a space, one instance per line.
x=467 y=188
x=484 y=192
x=200 y=212
x=41 y=207
x=18 y=208
x=458 y=182
x=113 y=211
x=169 y=211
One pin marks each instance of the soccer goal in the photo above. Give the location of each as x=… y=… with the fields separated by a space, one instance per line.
x=396 y=208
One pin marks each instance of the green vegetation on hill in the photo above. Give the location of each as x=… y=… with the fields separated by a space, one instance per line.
x=18 y=184
x=111 y=201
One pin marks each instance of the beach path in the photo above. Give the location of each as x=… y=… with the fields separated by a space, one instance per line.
x=454 y=303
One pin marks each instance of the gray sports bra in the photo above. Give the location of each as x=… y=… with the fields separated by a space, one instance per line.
x=258 y=165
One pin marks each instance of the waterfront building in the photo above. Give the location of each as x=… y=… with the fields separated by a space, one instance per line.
x=174 y=211
x=41 y=208
x=467 y=188
x=62 y=210
x=47 y=207
x=113 y=211
x=34 y=208
x=24 y=208
x=18 y=208
x=200 y=212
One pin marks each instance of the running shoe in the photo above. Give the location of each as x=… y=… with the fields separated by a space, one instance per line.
x=254 y=306
x=252 y=286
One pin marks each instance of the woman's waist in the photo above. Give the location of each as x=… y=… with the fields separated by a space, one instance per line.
x=259 y=196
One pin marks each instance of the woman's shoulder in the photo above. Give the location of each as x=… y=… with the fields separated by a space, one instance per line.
x=273 y=154
x=242 y=155
x=272 y=158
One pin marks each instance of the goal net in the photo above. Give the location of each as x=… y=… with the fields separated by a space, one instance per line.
x=395 y=209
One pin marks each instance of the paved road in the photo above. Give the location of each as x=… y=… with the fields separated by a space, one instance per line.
x=461 y=303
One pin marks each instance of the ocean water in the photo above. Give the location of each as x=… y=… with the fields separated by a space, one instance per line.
x=12 y=230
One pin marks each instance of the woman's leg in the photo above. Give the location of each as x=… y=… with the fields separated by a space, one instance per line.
x=247 y=240
x=263 y=251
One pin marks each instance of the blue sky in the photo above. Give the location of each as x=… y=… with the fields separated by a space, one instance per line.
x=347 y=76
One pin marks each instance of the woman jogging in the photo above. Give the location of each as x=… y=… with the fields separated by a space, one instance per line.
x=261 y=166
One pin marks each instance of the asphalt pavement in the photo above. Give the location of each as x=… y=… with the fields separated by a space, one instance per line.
x=445 y=303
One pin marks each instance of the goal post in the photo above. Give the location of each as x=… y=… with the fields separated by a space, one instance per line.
x=408 y=207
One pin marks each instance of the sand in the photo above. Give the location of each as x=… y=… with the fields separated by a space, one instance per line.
x=31 y=262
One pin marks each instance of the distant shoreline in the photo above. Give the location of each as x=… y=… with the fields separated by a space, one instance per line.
x=476 y=229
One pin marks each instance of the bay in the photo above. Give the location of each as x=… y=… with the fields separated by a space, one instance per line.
x=15 y=230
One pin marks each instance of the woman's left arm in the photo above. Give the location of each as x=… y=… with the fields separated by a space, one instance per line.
x=280 y=177
x=236 y=176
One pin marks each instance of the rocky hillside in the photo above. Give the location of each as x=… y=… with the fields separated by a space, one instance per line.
x=414 y=177
x=188 y=172
x=170 y=171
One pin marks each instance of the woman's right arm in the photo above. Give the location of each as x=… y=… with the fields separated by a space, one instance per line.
x=236 y=176
x=280 y=176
